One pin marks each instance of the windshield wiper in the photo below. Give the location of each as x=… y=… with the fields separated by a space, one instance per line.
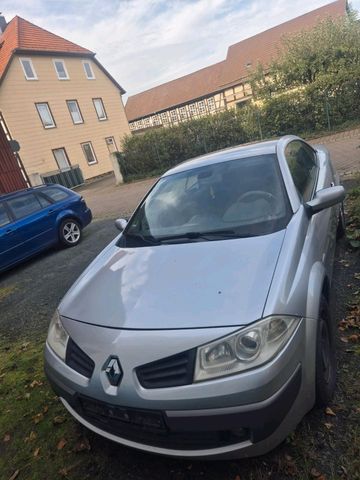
x=202 y=235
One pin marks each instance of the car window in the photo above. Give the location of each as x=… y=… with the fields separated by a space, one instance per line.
x=302 y=164
x=245 y=195
x=24 y=205
x=44 y=202
x=4 y=217
x=56 y=194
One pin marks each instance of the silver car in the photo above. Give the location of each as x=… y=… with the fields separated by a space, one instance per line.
x=203 y=330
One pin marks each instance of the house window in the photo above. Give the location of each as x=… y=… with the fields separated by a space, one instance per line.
x=132 y=126
x=100 y=109
x=60 y=69
x=139 y=124
x=147 y=122
x=74 y=110
x=211 y=104
x=88 y=71
x=183 y=113
x=28 y=68
x=202 y=107
x=164 y=118
x=45 y=115
x=89 y=153
x=173 y=115
x=61 y=158
x=111 y=144
x=156 y=120
x=192 y=110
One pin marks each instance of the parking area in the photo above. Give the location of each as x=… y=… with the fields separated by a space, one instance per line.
x=107 y=200
x=324 y=444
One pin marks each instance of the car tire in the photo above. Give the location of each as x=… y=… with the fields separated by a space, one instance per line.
x=341 y=228
x=325 y=375
x=70 y=232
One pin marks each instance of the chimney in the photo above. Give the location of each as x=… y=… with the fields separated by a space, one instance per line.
x=3 y=23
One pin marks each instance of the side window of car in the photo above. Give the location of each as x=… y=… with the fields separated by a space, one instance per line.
x=44 y=202
x=302 y=164
x=24 y=205
x=56 y=194
x=4 y=217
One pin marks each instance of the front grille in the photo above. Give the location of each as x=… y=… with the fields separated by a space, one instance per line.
x=149 y=427
x=78 y=360
x=168 y=372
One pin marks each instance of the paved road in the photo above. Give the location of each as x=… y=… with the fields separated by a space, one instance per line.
x=108 y=200
x=31 y=292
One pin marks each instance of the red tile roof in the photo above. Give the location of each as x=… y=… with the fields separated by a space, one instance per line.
x=21 y=35
x=260 y=48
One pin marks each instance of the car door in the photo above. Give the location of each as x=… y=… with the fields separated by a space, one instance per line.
x=10 y=239
x=34 y=221
x=310 y=176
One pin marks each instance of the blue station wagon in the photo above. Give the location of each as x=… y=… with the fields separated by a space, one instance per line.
x=34 y=219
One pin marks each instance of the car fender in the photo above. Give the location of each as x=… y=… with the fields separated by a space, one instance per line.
x=67 y=213
x=317 y=277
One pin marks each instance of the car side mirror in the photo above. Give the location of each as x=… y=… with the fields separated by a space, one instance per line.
x=325 y=198
x=120 y=224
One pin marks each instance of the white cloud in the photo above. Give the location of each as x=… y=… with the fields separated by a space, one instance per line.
x=146 y=42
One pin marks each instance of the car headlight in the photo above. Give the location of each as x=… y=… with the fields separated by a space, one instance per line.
x=57 y=336
x=248 y=348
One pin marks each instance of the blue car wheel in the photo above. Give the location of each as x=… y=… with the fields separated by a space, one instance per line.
x=70 y=232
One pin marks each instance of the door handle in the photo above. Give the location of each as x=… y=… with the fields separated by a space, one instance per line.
x=51 y=211
x=9 y=231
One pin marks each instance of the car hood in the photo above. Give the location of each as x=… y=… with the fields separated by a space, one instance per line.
x=192 y=285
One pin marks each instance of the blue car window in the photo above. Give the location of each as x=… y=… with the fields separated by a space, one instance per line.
x=45 y=202
x=55 y=194
x=24 y=205
x=4 y=217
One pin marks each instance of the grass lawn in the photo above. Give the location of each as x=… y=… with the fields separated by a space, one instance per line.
x=39 y=440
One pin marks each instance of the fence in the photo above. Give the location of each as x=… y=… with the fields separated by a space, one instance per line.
x=68 y=178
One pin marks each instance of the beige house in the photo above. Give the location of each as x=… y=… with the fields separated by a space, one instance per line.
x=58 y=102
x=221 y=86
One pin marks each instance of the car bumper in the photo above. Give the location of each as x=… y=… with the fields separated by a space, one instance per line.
x=86 y=217
x=219 y=425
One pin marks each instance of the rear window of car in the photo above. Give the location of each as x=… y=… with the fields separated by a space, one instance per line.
x=56 y=194
x=4 y=217
x=24 y=205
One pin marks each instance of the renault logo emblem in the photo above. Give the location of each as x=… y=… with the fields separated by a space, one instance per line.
x=113 y=371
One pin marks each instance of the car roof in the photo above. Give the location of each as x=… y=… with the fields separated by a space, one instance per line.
x=232 y=153
x=6 y=196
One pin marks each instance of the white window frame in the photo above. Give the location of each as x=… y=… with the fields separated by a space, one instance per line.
x=53 y=125
x=101 y=119
x=193 y=110
x=92 y=151
x=164 y=118
x=64 y=66
x=91 y=70
x=201 y=107
x=78 y=110
x=32 y=68
x=62 y=149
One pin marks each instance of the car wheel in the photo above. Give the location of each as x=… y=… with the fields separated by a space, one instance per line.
x=341 y=228
x=325 y=357
x=70 y=232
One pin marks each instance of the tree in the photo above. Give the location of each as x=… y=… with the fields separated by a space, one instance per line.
x=323 y=56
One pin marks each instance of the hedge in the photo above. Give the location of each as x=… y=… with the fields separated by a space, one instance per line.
x=303 y=112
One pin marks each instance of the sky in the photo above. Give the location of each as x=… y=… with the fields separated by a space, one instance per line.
x=144 y=43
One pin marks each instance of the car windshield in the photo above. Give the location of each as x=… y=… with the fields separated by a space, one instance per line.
x=235 y=198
